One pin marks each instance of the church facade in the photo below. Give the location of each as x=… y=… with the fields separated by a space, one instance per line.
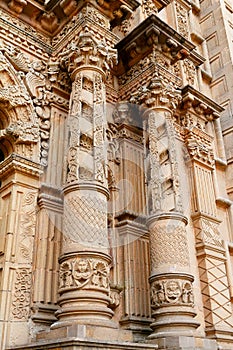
x=116 y=174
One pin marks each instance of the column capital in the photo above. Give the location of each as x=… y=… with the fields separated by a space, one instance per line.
x=89 y=53
x=159 y=93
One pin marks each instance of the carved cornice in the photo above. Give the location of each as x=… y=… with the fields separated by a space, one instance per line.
x=195 y=97
x=15 y=163
x=153 y=34
x=49 y=17
x=196 y=110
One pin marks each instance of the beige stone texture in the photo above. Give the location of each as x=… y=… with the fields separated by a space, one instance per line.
x=116 y=174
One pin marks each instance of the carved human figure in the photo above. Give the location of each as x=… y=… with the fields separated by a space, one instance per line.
x=173 y=291
x=81 y=272
x=187 y=293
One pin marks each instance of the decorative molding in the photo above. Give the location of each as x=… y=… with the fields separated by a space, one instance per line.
x=87 y=51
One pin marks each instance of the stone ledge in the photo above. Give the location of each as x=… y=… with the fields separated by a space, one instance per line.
x=76 y=343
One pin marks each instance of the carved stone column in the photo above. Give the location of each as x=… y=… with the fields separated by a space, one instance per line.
x=170 y=280
x=85 y=260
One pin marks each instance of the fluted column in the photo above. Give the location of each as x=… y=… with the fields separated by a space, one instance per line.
x=85 y=260
x=172 y=301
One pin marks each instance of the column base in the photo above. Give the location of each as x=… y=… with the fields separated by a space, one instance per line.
x=86 y=338
x=184 y=343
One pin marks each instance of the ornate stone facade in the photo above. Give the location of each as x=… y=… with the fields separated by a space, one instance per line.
x=116 y=188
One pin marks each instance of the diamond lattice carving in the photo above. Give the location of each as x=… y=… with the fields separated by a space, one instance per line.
x=215 y=292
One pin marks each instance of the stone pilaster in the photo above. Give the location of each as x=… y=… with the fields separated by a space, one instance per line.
x=211 y=252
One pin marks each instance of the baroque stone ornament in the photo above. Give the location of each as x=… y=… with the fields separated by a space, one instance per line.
x=84 y=273
x=88 y=51
x=159 y=92
x=169 y=292
x=115 y=188
x=21 y=296
x=84 y=287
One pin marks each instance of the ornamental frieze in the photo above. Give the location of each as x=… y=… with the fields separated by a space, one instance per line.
x=168 y=292
x=83 y=273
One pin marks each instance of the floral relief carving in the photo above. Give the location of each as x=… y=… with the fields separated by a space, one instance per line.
x=199 y=145
x=99 y=132
x=88 y=51
x=32 y=94
x=21 y=295
x=82 y=273
x=158 y=92
x=170 y=292
x=190 y=71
